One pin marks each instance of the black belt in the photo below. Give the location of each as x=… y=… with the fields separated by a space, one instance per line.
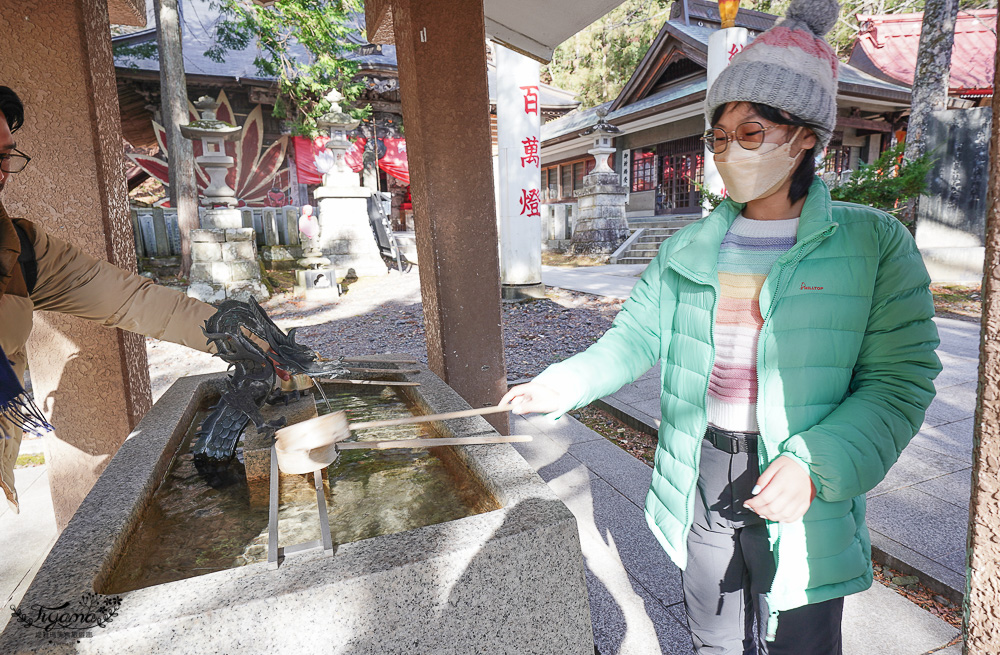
x=731 y=442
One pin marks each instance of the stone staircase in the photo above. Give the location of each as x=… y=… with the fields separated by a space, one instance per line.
x=655 y=230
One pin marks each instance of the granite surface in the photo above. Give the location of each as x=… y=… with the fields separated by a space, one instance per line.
x=509 y=580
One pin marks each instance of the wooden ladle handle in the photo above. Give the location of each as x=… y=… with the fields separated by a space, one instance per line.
x=428 y=418
x=430 y=443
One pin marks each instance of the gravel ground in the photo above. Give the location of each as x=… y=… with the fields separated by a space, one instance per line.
x=384 y=315
x=380 y=315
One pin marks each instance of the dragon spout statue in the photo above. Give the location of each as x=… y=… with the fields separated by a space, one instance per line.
x=259 y=354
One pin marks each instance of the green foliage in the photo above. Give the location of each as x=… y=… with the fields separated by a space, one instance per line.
x=598 y=61
x=708 y=199
x=303 y=44
x=135 y=51
x=887 y=183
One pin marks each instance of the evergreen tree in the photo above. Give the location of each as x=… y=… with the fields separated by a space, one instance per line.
x=321 y=28
x=597 y=61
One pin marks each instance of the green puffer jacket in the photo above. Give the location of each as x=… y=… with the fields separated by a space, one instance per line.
x=845 y=369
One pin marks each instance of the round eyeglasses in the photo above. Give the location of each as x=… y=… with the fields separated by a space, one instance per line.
x=13 y=162
x=749 y=135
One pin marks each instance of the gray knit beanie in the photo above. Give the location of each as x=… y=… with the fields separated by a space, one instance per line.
x=790 y=67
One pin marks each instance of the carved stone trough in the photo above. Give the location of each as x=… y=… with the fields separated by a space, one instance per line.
x=509 y=580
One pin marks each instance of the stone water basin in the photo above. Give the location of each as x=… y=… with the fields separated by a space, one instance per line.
x=501 y=571
x=192 y=529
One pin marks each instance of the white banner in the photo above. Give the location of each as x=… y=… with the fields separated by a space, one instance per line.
x=627 y=173
x=722 y=47
x=519 y=167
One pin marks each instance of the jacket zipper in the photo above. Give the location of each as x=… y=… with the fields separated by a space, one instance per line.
x=774 y=534
x=767 y=318
x=697 y=452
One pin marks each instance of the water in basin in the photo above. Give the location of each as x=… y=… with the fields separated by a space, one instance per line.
x=191 y=529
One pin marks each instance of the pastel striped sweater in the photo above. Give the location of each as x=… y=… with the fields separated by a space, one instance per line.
x=745 y=258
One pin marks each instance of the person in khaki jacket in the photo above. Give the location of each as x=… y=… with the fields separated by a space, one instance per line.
x=39 y=271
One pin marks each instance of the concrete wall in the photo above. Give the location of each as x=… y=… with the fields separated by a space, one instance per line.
x=642 y=201
x=92 y=381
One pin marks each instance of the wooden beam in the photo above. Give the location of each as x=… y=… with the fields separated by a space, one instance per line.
x=441 y=49
x=863 y=124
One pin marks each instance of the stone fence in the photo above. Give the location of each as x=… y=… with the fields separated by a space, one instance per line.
x=157 y=235
x=558 y=221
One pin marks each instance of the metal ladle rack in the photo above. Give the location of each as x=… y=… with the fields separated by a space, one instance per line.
x=275 y=553
x=335 y=428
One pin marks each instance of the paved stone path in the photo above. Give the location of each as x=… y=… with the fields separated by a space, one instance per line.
x=636 y=602
x=613 y=280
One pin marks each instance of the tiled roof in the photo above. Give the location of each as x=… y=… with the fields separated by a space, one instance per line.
x=199 y=19
x=890 y=43
x=580 y=120
x=846 y=73
x=850 y=80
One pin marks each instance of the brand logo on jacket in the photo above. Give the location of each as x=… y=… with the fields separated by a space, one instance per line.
x=808 y=288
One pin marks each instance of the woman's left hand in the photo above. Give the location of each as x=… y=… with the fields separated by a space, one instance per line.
x=785 y=492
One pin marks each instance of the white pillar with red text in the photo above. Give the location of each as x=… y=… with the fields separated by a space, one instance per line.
x=519 y=173
x=723 y=44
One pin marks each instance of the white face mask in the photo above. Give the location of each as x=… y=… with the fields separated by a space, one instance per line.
x=752 y=174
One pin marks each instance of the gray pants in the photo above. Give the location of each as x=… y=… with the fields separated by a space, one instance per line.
x=730 y=568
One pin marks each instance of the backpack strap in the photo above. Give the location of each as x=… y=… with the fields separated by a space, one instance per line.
x=27 y=260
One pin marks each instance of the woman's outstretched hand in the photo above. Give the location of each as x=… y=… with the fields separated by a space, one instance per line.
x=532 y=398
x=785 y=492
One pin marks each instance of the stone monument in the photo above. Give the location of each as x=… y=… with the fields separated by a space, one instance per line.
x=345 y=231
x=601 y=225
x=315 y=272
x=951 y=216
x=223 y=252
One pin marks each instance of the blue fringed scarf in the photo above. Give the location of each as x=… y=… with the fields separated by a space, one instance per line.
x=16 y=405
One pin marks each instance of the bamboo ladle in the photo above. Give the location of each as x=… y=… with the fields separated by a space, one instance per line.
x=315 y=444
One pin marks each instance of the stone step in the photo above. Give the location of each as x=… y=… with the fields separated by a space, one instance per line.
x=655 y=238
x=658 y=230
x=659 y=221
x=645 y=253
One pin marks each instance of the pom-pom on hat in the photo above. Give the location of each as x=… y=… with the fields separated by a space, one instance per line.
x=790 y=66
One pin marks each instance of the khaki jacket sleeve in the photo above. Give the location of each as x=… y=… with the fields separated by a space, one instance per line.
x=72 y=282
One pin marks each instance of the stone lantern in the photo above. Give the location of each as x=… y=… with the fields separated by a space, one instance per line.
x=601 y=225
x=603 y=133
x=223 y=252
x=345 y=232
x=213 y=134
x=337 y=123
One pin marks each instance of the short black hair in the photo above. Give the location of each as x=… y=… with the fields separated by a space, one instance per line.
x=12 y=108
x=802 y=177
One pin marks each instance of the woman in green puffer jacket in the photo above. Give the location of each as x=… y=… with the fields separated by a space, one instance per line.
x=797 y=353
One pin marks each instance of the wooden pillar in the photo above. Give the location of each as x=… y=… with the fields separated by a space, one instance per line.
x=441 y=50
x=92 y=381
x=174 y=107
x=982 y=587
